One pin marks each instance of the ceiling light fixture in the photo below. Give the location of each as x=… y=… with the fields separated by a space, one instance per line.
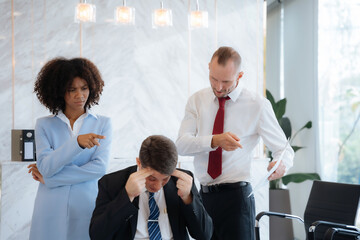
x=125 y=15
x=161 y=17
x=85 y=12
x=198 y=19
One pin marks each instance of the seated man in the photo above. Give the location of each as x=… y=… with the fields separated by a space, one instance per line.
x=152 y=200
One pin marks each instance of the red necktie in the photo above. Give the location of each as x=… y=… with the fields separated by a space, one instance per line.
x=215 y=157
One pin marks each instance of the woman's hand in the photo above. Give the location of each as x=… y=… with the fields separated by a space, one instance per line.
x=35 y=173
x=89 y=140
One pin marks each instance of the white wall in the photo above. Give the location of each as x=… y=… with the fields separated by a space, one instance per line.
x=148 y=73
x=300 y=74
x=273 y=51
x=300 y=87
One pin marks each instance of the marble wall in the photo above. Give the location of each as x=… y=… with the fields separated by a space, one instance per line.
x=148 y=73
x=18 y=192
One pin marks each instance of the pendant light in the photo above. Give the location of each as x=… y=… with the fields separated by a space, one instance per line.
x=124 y=14
x=85 y=12
x=161 y=17
x=198 y=19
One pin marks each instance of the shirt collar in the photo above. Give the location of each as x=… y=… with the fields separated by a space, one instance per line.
x=234 y=94
x=87 y=113
x=90 y=112
x=62 y=116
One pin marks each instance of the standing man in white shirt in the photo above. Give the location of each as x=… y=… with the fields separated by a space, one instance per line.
x=221 y=127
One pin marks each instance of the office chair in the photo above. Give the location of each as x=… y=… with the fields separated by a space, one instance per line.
x=329 y=205
x=334 y=231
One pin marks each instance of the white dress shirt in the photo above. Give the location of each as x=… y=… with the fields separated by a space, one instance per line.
x=144 y=212
x=248 y=115
x=74 y=131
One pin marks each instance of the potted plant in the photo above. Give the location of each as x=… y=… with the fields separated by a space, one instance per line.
x=279 y=108
x=278 y=196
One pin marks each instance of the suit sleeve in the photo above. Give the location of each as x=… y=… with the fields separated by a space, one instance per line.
x=111 y=214
x=93 y=169
x=198 y=221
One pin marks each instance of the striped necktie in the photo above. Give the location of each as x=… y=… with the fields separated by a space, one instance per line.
x=153 y=221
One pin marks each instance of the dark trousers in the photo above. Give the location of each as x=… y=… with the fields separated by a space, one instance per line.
x=232 y=212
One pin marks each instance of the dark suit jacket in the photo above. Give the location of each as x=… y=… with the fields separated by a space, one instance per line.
x=115 y=217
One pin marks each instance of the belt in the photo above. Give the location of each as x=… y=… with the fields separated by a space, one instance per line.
x=222 y=186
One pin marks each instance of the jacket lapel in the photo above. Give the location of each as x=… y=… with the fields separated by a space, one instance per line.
x=133 y=219
x=172 y=204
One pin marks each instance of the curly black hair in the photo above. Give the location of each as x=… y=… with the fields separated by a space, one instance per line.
x=57 y=75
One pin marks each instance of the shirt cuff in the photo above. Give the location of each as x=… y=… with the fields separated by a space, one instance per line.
x=205 y=142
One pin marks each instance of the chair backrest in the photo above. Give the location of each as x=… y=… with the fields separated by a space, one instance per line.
x=333 y=202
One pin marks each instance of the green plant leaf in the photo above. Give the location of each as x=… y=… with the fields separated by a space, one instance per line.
x=280 y=109
x=299 y=177
x=270 y=97
x=269 y=155
x=275 y=184
x=308 y=125
x=286 y=126
x=296 y=148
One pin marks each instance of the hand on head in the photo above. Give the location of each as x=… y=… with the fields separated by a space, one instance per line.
x=184 y=184
x=227 y=141
x=89 y=140
x=35 y=173
x=136 y=182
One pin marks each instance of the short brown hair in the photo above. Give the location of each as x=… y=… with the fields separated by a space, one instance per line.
x=227 y=53
x=57 y=75
x=159 y=153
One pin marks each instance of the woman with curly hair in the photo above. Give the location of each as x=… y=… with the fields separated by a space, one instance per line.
x=72 y=148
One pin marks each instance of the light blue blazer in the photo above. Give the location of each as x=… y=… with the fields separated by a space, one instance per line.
x=64 y=204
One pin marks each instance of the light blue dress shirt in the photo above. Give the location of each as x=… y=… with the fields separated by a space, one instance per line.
x=64 y=204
